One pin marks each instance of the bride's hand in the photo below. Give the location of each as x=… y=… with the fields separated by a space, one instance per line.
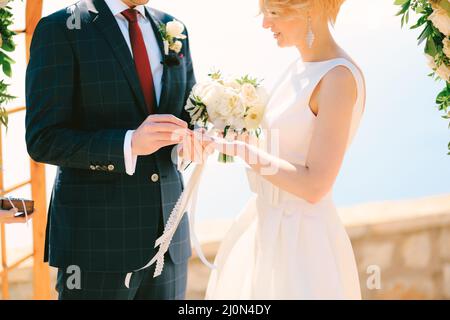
x=206 y=141
x=196 y=147
x=228 y=147
x=235 y=144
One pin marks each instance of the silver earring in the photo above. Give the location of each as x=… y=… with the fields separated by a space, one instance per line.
x=310 y=37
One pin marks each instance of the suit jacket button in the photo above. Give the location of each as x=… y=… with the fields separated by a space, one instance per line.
x=98 y=167
x=111 y=167
x=92 y=167
x=155 y=177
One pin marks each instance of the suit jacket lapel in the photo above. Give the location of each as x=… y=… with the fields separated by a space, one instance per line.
x=156 y=22
x=107 y=24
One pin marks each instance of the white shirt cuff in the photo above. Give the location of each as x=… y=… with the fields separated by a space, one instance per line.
x=130 y=159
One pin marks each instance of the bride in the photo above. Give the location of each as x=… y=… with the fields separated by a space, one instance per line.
x=288 y=242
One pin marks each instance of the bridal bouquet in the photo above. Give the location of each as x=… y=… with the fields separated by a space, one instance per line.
x=230 y=106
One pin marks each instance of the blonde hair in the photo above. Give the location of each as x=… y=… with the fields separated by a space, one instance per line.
x=292 y=8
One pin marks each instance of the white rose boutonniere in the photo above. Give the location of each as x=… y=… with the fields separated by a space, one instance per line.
x=172 y=35
x=175 y=30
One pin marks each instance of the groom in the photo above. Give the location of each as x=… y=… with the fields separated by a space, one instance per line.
x=105 y=101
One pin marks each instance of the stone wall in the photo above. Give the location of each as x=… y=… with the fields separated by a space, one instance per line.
x=407 y=242
x=403 y=244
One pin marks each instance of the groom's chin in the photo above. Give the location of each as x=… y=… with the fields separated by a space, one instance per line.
x=139 y=2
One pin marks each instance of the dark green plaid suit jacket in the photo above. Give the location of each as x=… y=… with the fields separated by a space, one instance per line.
x=83 y=94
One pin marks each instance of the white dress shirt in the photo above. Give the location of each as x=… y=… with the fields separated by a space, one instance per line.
x=154 y=55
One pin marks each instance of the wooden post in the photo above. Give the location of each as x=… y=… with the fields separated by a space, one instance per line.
x=41 y=272
x=5 y=281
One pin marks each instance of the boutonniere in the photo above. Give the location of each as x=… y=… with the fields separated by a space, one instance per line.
x=172 y=34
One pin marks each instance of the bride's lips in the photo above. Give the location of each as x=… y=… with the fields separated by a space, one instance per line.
x=276 y=35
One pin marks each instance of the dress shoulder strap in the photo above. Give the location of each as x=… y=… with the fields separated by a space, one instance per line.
x=318 y=70
x=322 y=68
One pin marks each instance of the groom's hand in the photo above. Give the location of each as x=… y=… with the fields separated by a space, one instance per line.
x=156 y=132
x=195 y=147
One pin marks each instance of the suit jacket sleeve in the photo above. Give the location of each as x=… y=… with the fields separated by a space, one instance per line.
x=52 y=133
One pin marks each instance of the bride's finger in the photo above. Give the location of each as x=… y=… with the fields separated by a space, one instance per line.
x=201 y=130
x=231 y=136
x=244 y=137
x=207 y=138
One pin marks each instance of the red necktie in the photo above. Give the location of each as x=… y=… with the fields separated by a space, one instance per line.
x=141 y=60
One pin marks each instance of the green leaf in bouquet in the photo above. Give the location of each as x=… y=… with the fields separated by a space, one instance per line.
x=258 y=132
x=197 y=102
x=225 y=131
x=199 y=114
x=249 y=80
x=215 y=75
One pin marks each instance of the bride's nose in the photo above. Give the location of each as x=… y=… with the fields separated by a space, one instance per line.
x=267 y=23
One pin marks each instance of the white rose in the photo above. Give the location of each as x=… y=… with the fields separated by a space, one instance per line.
x=3 y=3
x=227 y=109
x=176 y=46
x=248 y=93
x=235 y=105
x=443 y=71
x=446 y=43
x=440 y=19
x=239 y=124
x=254 y=117
x=219 y=123
x=263 y=95
x=194 y=112
x=232 y=84
x=175 y=29
x=197 y=92
x=211 y=94
x=200 y=88
x=215 y=99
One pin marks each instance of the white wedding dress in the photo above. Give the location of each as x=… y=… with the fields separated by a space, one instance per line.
x=281 y=246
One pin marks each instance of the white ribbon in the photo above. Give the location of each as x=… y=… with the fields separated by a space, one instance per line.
x=24 y=209
x=186 y=202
